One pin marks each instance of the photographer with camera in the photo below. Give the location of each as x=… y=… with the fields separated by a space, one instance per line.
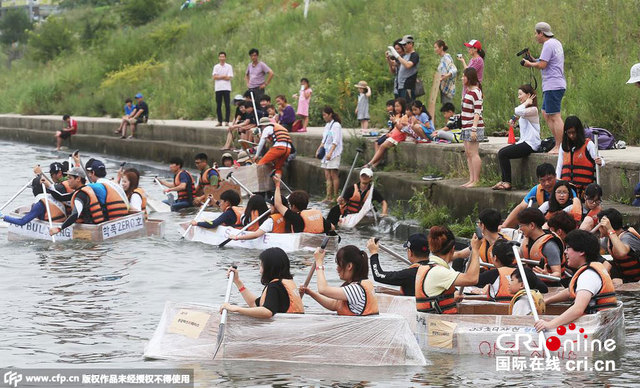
x=407 y=68
x=554 y=85
x=394 y=64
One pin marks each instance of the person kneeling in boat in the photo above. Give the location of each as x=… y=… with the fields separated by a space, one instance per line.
x=356 y=197
x=541 y=245
x=436 y=282
x=417 y=253
x=591 y=287
x=39 y=207
x=497 y=280
x=182 y=183
x=209 y=176
x=231 y=212
x=622 y=244
x=488 y=224
x=271 y=223
x=85 y=207
x=519 y=304
x=110 y=194
x=297 y=217
x=280 y=293
x=356 y=296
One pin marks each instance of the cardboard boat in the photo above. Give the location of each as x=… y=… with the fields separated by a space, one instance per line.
x=256 y=178
x=482 y=328
x=189 y=331
x=130 y=226
x=289 y=242
x=351 y=220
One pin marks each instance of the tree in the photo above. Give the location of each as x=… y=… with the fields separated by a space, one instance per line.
x=51 y=38
x=139 y=12
x=14 y=26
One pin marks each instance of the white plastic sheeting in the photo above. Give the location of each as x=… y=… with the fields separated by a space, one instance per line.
x=351 y=220
x=189 y=331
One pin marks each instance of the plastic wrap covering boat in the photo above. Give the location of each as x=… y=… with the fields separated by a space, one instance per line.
x=351 y=220
x=483 y=328
x=256 y=178
x=130 y=226
x=289 y=242
x=189 y=332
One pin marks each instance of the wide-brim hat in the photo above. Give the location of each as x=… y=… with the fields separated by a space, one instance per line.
x=264 y=121
x=243 y=157
x=634 y=74
x=361 y=84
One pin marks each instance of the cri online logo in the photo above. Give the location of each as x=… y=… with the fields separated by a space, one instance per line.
x=12 y=378
x=569 y=338
x=553 y=343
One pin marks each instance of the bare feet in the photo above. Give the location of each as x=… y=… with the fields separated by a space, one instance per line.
x=472 y=184
x=466 y=184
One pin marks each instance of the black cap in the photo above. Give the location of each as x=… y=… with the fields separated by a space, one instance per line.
x=55 y=167
x=418 y=244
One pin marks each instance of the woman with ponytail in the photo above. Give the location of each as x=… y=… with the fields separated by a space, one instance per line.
x=474 y=47
x=356 y=295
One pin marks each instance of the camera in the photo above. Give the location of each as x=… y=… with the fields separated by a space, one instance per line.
x=525 y=54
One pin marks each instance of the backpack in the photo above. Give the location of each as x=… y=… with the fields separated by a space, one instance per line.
x=605 y=138
x=547 y=144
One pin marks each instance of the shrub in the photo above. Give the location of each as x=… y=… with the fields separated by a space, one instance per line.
x=139 y=12
x=50 y=39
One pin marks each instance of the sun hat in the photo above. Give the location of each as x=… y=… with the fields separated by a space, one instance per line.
x=226 y=155
x=238 y=97
x=243 y=157
x=634 y=75
x=366 y=171
x=545 y=28
x=474 y=43
x=406 y=39
x=264 y=121
x=361 y=84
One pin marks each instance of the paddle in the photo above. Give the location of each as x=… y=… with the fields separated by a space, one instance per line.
x=230 y=176
x=77 y=153
x=225 y=242
x=46 y=204
x=542 y=339
x=392 y=253
x=15 y=195
x=325 y=241
x=282 y=182
x=353 y=165
x=204 y=205
x=223 y=320
x=595 y=140
x=255 y=111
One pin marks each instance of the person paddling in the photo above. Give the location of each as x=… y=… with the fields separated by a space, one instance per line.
x=489 y=221
x=356 y=296
x=274 y=223
x=280 y=293
x=297 y=217
x=418 y=254
x=38 y=208
x=591 y=287
x=355 y=196
x=541 y=245
x=231 y=212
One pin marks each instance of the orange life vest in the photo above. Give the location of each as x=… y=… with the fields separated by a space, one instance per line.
x=239 y=211
x=313 y=221
x=503 y=295
x=67 y=205
x=94 y=212
x=578 y=167
x=370 y=304
x=278 y=223
x=141 y=193
x=295 y=302
x=254 y=227
x=540 y=195
x=354 y=204
x=58 y=213
x=280 y=134
x=576 y=214
x=444 y=303
x=629 y=265
x=114 y=206
x=593 y=214
x=204 y=178
x=606 y=296
x=188 y=192
x=486 y=249
x=533 y=251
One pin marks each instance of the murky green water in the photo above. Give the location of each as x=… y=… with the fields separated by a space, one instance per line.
x=95 y=305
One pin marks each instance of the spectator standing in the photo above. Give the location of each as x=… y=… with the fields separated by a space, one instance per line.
x=448 y=72
x=393 y=64
x=287 y=115
x=529 y=122
x=70 y=128
x=303 y=102
x=472 y=124
x=554 y=85
x=256 y=73
x=222 y=74
x=407 y=69
x=331 y=147
x=474 y=48
x=362 y=108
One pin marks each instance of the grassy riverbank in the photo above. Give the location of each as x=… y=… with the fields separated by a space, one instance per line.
x=342 y=41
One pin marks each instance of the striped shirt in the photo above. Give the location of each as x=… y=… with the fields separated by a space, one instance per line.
x=356 y=297
x=471 y=105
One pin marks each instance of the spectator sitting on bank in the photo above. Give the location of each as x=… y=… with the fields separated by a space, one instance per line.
x=70 y=128
x=423 y=124
x=390 y=114
x=397 y=135
x=529 y=122
x=255 y=75
x=243 y=128
x=238 y=101
x=128 y=110
x=362 y=107
x=287 y=114
x=264 y=102
x=272 y=114
x=303 y=102
x=452 y=131
x=140 y=115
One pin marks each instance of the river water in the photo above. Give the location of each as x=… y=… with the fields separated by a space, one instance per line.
x=74 y=304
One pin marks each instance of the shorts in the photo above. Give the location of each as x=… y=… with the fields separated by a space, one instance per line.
x=141 y=119
x=332 y=164
x=65 y=134
x=466 y=134
x=397 y=136
x=552 y=101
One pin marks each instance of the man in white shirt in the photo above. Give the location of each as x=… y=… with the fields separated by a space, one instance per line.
x=222 y=75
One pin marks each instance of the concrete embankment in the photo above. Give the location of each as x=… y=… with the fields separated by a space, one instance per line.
x=161 y=139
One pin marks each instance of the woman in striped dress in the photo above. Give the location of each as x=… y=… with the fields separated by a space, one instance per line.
x=472 y=124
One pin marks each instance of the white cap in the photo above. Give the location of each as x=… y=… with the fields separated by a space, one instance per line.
x=635 y=74
x=366 y=171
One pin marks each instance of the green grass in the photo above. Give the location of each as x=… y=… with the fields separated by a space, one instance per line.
x=341 y=42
